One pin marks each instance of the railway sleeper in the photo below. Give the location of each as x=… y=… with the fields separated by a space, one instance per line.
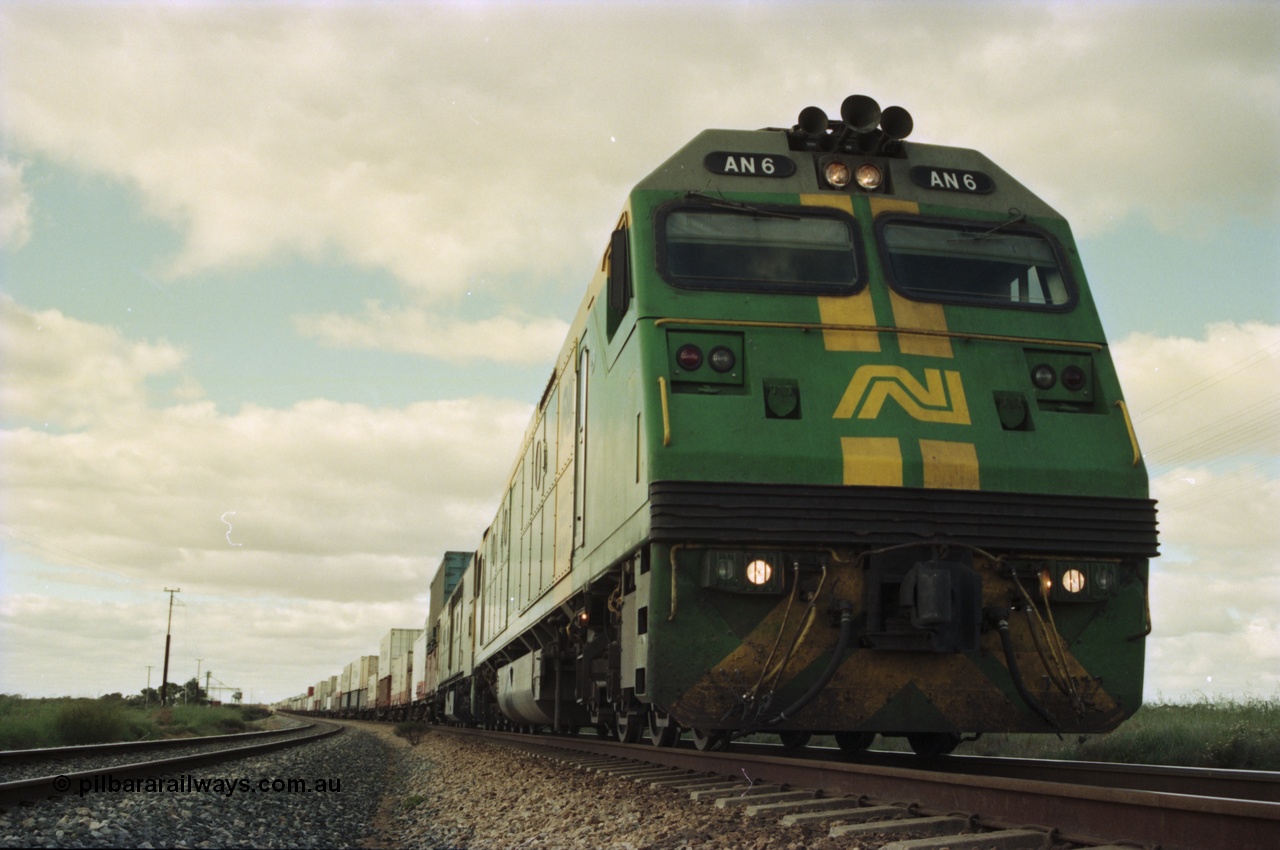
x=807 y=807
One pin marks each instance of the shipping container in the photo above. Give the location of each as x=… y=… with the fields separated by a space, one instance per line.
x=368 y=667
x=447 y=576
x=418 y=688
x=402 y=679
x=394 y=644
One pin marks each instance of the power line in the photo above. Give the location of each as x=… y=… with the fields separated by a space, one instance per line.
x=1205 y=383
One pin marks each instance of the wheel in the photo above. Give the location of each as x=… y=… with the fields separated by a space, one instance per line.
x=930 y=744
x=662 y=730
x=854 y=742
x=710 y=740
x=794 y=740
x=630 y=728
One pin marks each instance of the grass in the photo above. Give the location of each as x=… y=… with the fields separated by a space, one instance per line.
x=30 y=723
x=1240 y=735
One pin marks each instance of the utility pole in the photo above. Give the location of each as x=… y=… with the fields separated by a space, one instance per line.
x=146 y=695
x=199 y=661
x=168 y=633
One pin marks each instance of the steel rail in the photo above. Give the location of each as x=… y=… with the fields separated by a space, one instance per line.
x=44 y=787
x=88 y=750
x=1082 y=814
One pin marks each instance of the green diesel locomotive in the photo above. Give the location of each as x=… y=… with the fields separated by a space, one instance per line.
x=835 y=445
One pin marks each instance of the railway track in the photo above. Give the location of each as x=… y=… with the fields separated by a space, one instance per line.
x=63 y=770
x=972 y=803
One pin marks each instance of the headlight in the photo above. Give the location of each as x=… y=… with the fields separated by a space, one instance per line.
x=759 y=572
x=737 y=571
x=837 y=174
x=869 y=176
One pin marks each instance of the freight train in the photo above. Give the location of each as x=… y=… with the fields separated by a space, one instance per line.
x=834 y=445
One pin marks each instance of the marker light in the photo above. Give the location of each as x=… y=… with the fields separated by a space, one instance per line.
x=1073 y=378
x=1044 y=377
x=869 y=176
x=722 y=359
x=689 y=357
x=759 y=572
x=1073 y=581
x=837 y=174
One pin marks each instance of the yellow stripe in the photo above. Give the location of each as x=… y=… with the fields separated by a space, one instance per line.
x=914 y=314
x=844 y=309
x=949 y=466
x=873 y=461
x=1133 y=438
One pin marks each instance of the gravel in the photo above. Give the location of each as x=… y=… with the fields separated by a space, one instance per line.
x=233 y=811
x=450 y=793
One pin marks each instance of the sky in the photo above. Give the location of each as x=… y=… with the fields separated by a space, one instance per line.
x=281 y=282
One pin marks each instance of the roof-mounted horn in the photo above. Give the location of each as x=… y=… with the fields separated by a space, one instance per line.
x=862 y=128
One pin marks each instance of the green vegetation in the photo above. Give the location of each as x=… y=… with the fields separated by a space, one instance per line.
x=412 y=731
x=1241 y=735
x=30 y=723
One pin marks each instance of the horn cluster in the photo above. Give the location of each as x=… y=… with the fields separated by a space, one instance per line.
x=863 y=128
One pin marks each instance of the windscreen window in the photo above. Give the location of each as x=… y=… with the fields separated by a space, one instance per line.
x=767 y=249
x=977 y=263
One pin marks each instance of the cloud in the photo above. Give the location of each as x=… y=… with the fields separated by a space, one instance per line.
x=1206 y=413
x=330 y=501
x=15 y=206
x=1198 y=401
x=61 y=371
x=321 y=518
x=501 y=339
x=446 y=143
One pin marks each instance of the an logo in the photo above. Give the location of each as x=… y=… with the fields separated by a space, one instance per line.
x=939 y=399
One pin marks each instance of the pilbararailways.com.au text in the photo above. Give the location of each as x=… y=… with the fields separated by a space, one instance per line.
x=187 y=784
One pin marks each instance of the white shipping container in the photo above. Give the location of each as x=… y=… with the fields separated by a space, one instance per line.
x=344 y=680
x=418 y=689
x=395 y=643
x=402 y=679
x=368 y=667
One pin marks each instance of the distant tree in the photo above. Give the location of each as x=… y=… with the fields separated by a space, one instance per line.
x=116 y=697
x=144 y=698
x=192 y=693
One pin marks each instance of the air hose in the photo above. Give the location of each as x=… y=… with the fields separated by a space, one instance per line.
x=1006 y=642
x=837 y=655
